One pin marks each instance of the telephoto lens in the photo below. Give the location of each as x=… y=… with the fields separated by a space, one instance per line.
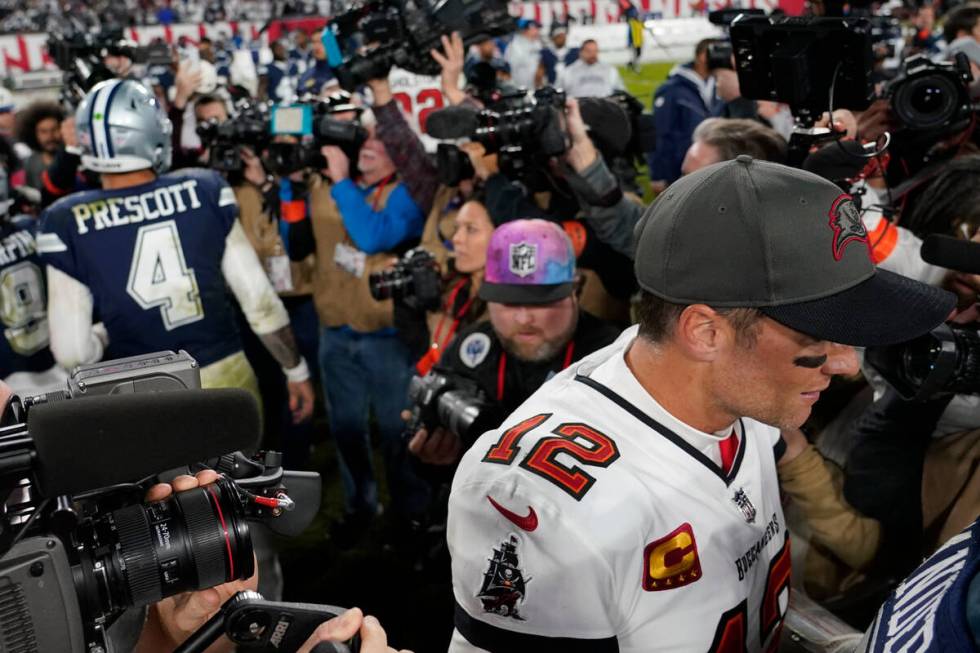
x=140 y=554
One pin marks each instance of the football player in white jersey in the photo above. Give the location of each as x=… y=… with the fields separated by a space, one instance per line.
x=632 y=504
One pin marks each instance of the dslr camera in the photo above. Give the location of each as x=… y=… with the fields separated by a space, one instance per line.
x=946 y=360
x=932 y=98
x=78 y=545
x=371 y=37
x=453 y=403
x=415 y=279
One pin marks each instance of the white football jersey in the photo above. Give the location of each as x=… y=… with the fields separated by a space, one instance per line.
x=586 y=523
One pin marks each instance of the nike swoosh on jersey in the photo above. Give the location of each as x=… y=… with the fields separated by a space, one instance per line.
x=528 y=522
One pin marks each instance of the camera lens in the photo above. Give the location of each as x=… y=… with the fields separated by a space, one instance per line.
x=927 y=99
x=926 y=102
x=190 y=541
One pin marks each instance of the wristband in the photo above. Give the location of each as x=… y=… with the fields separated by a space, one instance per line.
x=299 y=373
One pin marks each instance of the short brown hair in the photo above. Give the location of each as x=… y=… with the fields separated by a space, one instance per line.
x=735 y=136
x=658 y=317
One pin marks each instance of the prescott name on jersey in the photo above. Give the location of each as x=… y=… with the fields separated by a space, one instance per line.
x=163 y=202
x=151 y=256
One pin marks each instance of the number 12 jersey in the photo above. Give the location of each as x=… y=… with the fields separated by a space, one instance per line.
x=586 y=523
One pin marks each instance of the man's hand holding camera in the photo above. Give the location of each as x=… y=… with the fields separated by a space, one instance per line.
x=342 y=628
x=338 y=165
x=440 y=447
x=582 y=153
x=174 y=619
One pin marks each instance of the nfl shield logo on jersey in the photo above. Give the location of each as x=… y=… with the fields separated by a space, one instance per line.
x=523 y=259
x=741 y=499
x=504 y=585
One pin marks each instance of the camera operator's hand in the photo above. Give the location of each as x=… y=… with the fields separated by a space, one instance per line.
x=253 y=171
x=452 y=58
x=441 y=447
x=582 y=153
x=174 y=619
x=68 y=134
x=342 y=628
x=484 y=165
x=338 y=165
x=873 y=123
x=6 y=392
x=300 y=400
x=381 y=90
x=844 y=121
x=726 y=83
x=186 y=81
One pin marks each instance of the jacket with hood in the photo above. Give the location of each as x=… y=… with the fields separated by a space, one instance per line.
x=679 y=105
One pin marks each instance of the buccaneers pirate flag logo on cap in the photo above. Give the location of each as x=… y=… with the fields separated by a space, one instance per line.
x=847 y=225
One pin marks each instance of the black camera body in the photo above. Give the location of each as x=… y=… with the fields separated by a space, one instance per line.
x=932 y=98
x=78 y=53
x=286 y=158
x=944 y=361
x=76 y=553
x=453 y=165
x=249 y=127
x=379 y=34
x=453 y=403
x=414 y=279
x=797 y=60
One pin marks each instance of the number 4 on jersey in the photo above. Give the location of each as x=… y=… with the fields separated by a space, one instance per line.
x=159 y=277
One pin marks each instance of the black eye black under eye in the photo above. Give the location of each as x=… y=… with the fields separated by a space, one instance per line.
x=811 y=362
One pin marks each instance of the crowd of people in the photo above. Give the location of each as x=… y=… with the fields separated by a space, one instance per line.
x=20 y=16
x=607 y=419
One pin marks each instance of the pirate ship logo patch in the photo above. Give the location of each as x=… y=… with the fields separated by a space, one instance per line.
x=504 y=584
x=741 y=500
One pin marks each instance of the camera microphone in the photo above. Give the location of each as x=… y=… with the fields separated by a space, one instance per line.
x=94 y=442
x=952 y=253
x=452 y=122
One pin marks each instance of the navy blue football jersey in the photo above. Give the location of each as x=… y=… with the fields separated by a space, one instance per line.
x=23 y=300
x=932 y=610
x=151 y=256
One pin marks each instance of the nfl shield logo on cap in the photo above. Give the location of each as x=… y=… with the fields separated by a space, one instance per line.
x=523 y=259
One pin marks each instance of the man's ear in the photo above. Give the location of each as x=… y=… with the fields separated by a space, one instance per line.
x=702 y=333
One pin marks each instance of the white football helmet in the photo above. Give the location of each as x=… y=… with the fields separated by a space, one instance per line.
x=121 y=128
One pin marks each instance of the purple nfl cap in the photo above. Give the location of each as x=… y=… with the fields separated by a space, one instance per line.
x=528 y=262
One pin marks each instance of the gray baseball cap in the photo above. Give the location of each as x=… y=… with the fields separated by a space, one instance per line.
x=754 y=234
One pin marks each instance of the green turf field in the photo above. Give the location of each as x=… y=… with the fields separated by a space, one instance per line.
x=642 y=85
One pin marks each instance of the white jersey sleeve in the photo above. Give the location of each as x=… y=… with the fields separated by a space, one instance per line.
x=522 y=571
x=242 y=270
x=74 y=339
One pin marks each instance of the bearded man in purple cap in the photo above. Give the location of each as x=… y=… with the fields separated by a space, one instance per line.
x=536 y=328
x=632 y=504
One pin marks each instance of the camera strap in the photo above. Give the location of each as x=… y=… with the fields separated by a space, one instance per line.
x=380 y=189
x=502 y=367
x=434 y=353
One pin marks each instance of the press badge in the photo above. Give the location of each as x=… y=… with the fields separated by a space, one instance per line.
x=279 y=272
x=350 y=259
